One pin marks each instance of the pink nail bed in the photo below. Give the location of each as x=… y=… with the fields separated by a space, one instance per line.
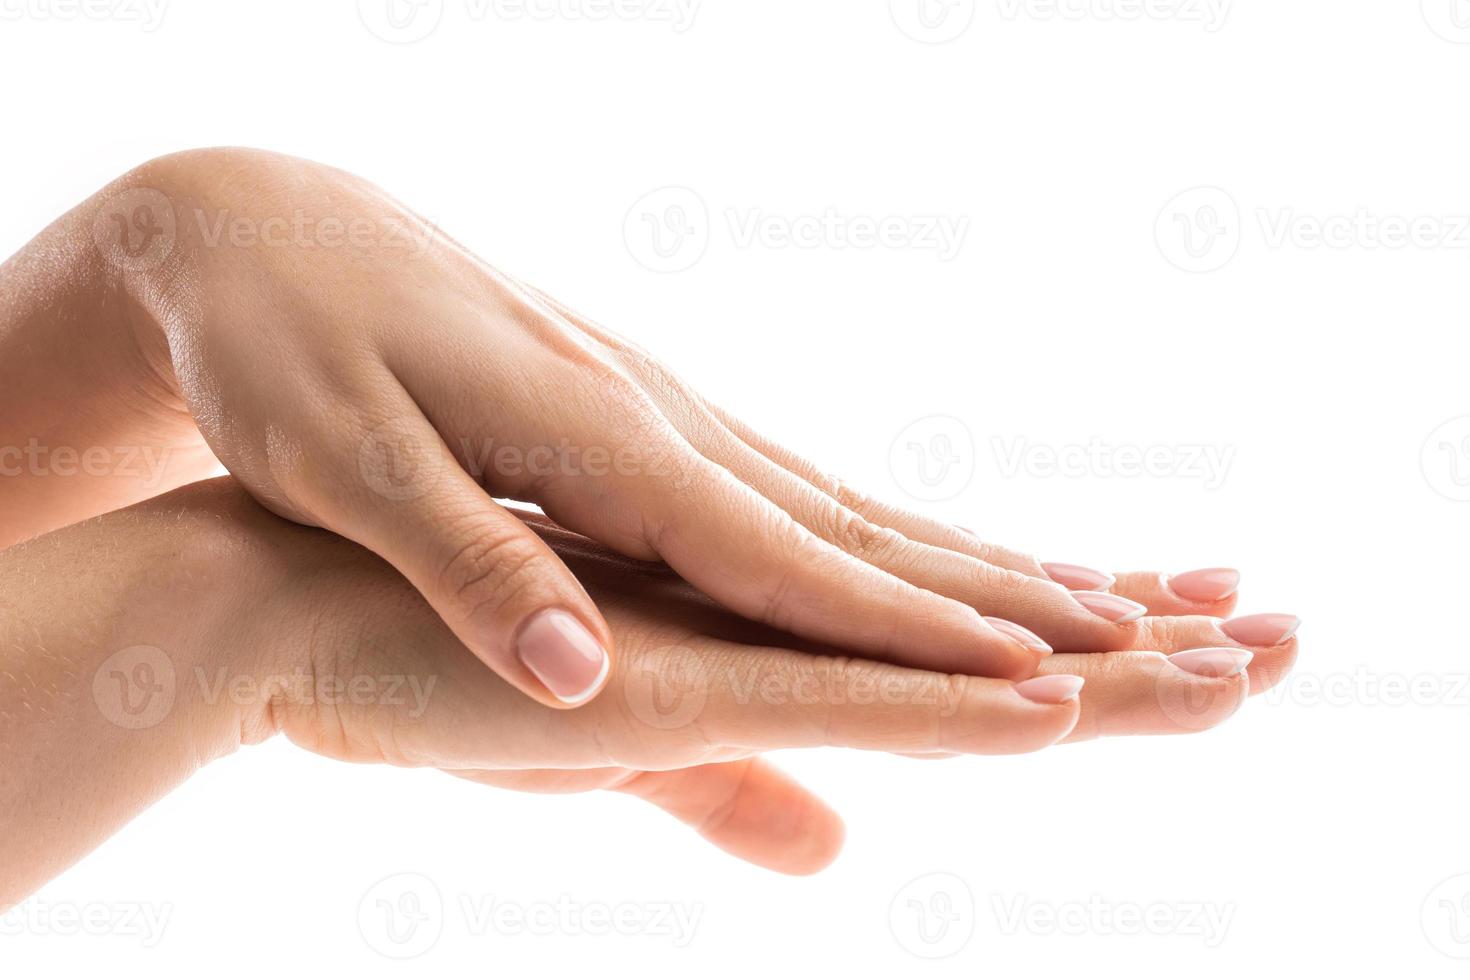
x=1205 y=584
x=1213 y=661
x=1051 y=689
x=559 y=650
x=1262 y=629
x=1113 y=608
x=1020 y=634
x=1078 y=576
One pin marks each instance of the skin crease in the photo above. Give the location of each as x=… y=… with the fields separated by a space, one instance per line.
x=297 y=363
x=227 y=591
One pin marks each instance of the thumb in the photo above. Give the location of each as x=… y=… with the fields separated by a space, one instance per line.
x=494 y=582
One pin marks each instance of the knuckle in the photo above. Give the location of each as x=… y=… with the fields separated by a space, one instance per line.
x=856 y=535
x=492 y=569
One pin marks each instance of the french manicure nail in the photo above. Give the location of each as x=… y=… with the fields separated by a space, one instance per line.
x=1078 y=576
x=1262 y=629
x=1205 y=584
x=1051 y=689
x=1020 y=634
x=1113 y=608
x=559 y=650
x=1213 y=661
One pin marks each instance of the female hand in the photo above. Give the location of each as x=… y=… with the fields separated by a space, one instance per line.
x=201 y=622
x=357 y=371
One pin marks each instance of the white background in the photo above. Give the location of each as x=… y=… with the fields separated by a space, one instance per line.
x=1319 y=821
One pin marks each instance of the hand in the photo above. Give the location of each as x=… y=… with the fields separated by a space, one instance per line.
x=204 y=623
x=357 y=371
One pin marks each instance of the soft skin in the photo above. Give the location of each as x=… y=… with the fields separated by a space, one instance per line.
x=237 y=607
x=359 y=371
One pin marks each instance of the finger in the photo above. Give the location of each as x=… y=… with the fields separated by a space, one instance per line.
x=1202 y=677
x=750 y=809
x=660 y=498
x=497 y=585
x=1135 y=692
x=915 y=526
x=1270 y=637
x=1203 y=592
x=763 y=698
x=1038 y=605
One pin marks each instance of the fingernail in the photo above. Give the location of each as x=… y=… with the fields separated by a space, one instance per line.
x=558 y=649
x=1051 y=689
x=1020 y=634
x=1206 y=584
x=1213 y=661
x=1078 y=576
x=1113 y=608
x=1261 y=630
